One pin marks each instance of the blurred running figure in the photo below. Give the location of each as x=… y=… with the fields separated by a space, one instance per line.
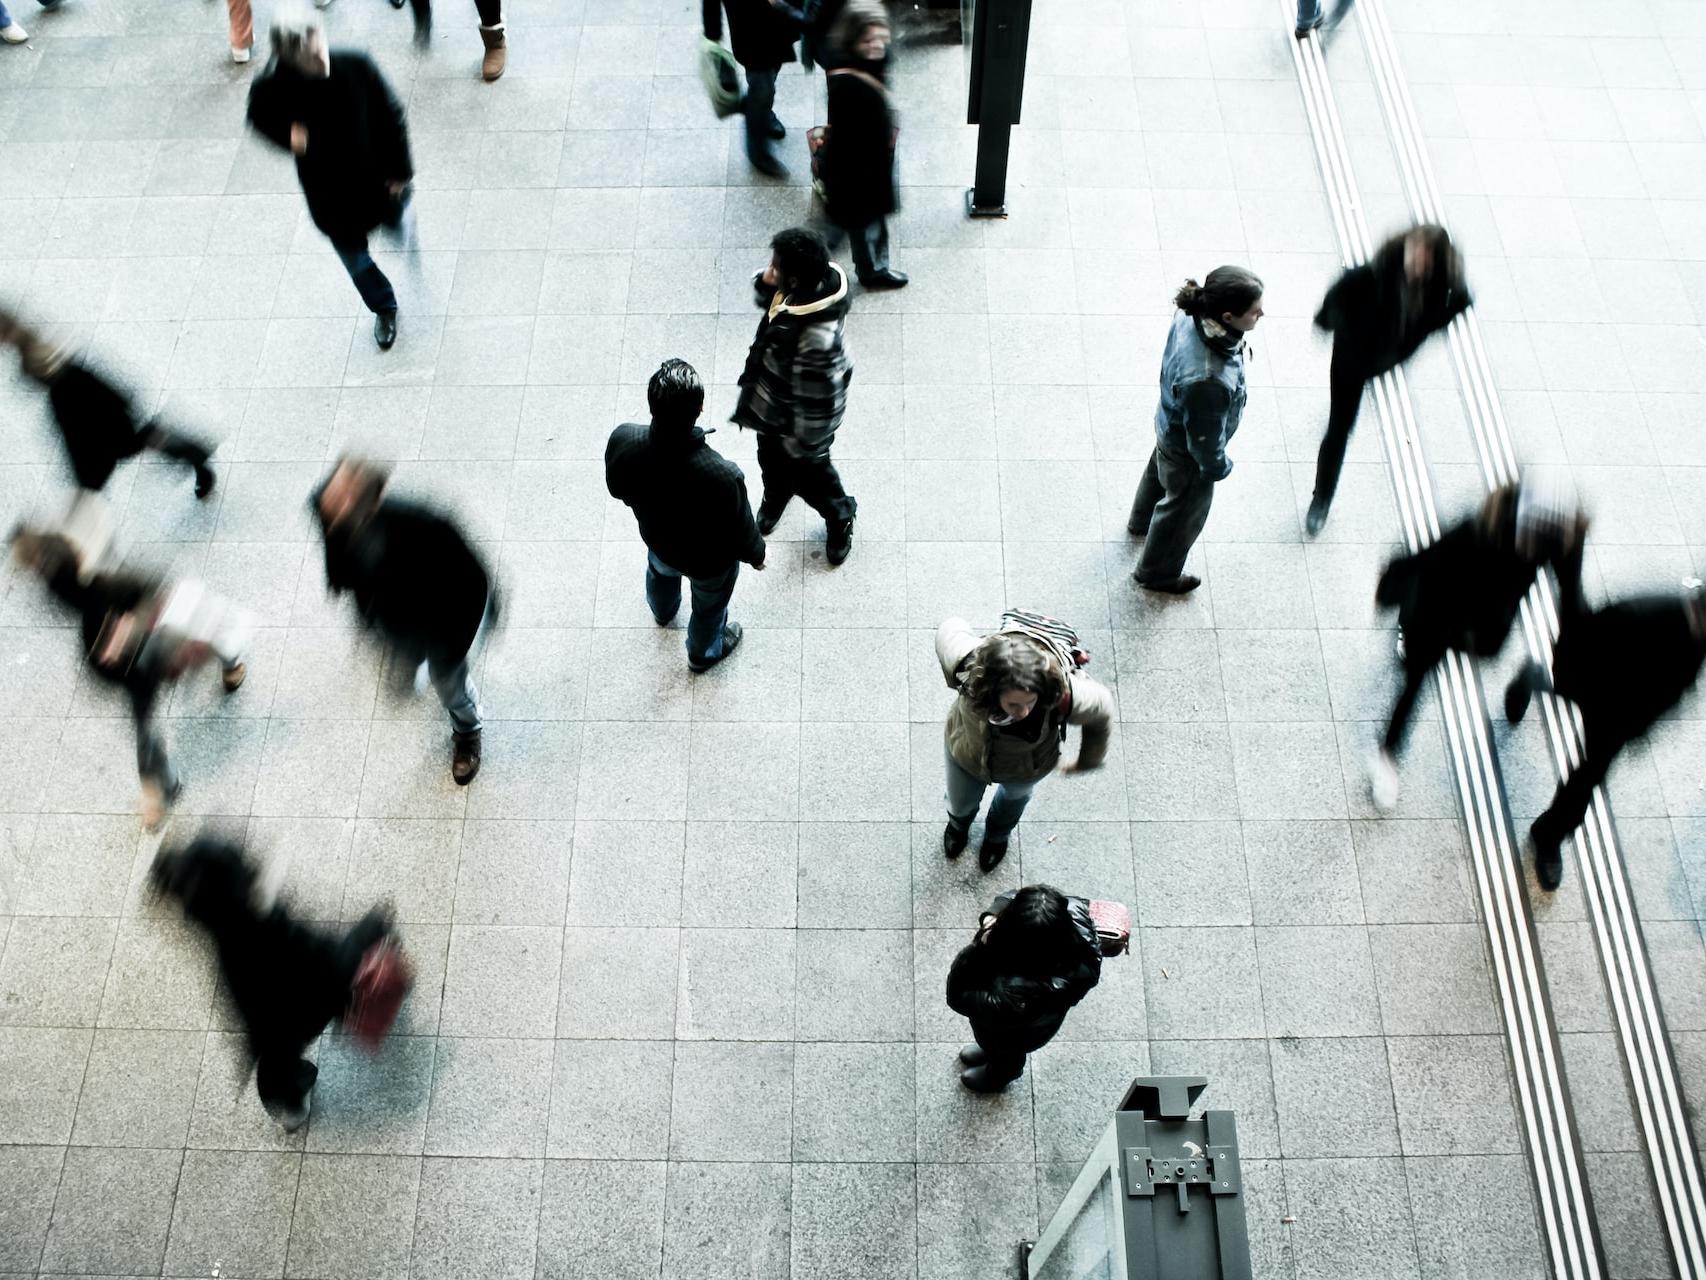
x=336 y=114
x=1310 y=17
x=1201 y=404
x=1379 y=314
x=99 y=423
x=1463 y=591
x=1623 y=666
x=415 y=581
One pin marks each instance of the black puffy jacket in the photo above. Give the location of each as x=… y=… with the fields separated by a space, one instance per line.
x=978 y=990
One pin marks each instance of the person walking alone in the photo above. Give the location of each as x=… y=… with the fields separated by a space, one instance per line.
x=693 y=511
x=793 y=390
x=859 y=157
x=417 y=582
x=1007 y=728
x=761 y=37
x=1623 y=667
x=337 y=115
x=1025 y=969
x=1201 y=404
x=1379 y=313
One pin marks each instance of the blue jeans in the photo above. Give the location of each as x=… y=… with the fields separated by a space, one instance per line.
x=760 y=101
x=370 y=281
x=965 y=793
x=711 y=598
x=5 y=18
x=1308 y=11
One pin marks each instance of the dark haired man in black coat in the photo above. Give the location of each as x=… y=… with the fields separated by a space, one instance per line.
x=1623 y=666
x=761 y=37
x=693 y=511
x=336 y=114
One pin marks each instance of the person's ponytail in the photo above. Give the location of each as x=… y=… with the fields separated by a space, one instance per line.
x=1189 y=299
x=1228 y=289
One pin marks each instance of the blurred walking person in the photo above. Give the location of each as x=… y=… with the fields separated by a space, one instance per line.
x=793 y=390
x=1379 y=313
x=858 y=159
x=417 y=582
x=761 y=37
x=1462 y=593
x=1025 y=969
x=98 y=422
x=337 y=115
x=1007 y=728
x=1623 y=667
x=140 y=634
x=693 y=511
x=1201 y=404
x=1310 y=16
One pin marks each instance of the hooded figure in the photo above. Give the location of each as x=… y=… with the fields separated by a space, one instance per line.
x=793 y=390
x=1623 y=667
x=692 y=508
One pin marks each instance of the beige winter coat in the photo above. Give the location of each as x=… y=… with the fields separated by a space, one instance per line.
x=997 y=757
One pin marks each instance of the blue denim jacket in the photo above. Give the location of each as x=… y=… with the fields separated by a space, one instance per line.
x=1202 y=395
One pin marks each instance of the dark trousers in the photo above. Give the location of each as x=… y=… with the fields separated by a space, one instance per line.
x=283 y=1077
x=760 y=104
x=870 y=247
x=184 y=449
x=491 y=12
x=1346 y=381
x=814 y=480
x=1005 y=1047
x=1603 y=738
x=1419 y=662
x=370 y=281
x=1171 y=508
x=711 y=596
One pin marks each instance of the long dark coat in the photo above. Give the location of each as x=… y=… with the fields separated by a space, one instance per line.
x=761 y=34
x=98 y=422
x=357 y=141
x=1366 y=313
x=858 y=177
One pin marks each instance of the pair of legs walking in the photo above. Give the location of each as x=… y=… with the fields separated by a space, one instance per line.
x=999 y=1056
x=762 y=126
x=965 y=794
x=1169 y=512
x=372 y=283
x=1346 y=383
x=812 y=479
x=708 y=624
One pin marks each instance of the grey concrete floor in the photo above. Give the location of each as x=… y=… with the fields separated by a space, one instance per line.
x=683 y=942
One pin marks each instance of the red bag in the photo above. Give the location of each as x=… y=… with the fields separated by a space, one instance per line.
x=1113 y=926
x=382 y=979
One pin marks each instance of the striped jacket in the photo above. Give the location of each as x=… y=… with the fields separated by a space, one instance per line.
x=797 y=371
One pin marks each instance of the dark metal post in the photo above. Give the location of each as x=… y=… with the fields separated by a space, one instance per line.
x=1001 y=32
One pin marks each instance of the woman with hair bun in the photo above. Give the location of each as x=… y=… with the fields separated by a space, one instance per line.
x=1202 y=400
x=1008 y=726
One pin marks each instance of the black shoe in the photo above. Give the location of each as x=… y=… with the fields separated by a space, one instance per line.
x=385 y=329
x=840 y=544
x=978 y=1081
x=887 y=278
x=954 y=840
x=973 y=1055
x=732 y=632
x=777 y=129
x=1135 y=532
x=1307 y=27
x=767 y=164
x=768 y=518
x=1316 y=520
x=204 y=480
x=1548 y=858
x=1184 y=584
x=990 y=853
x=1517 y=695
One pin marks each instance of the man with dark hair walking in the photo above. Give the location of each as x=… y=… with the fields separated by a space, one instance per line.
x=793 y=391
x=693 y=511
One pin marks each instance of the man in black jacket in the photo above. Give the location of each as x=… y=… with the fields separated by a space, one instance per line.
x=693 y=511
x=417 y=582
x=336 y=114
x=1623 y=666
x=761 y=37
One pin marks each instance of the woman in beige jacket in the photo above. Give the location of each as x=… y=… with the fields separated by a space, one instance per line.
x=1008 y=727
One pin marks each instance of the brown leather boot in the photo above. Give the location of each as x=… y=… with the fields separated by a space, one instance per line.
x=496 y=55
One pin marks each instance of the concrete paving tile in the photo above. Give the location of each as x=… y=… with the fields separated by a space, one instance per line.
x=233 y=1208
x=477 y=1213
x=618 y=983
x=855 y=1220
x=113 y=1210
x=704 y=1201
x=1369 y=1236
x=736 y=984
x=1334 y=1097
x=1318 y=980
x=354 y=1216
x=490 y=1097
x=601 y=1217
x=32 y=1177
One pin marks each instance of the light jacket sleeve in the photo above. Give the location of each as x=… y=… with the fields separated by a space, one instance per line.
x=955 y=640
x=1093 y=711
x=1206 y=405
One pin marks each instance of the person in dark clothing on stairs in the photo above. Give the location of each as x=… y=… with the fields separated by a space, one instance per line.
x=336 y=114
x=693 y=511
x=1379 y=313
x=1015 y=983
x=793 y=390
x=98 y=422
x=1462 y=593
x=1623 y=667
x=761 y=37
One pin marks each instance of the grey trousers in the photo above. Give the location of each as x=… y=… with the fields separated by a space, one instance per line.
x=1171 y=508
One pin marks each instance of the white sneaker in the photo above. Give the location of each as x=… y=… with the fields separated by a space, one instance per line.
x=1383 y=781
x=13 y=34
x=322 y=4
x=243 y=54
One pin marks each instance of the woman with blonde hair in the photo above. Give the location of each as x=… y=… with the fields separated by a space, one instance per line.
x=1018 y=691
